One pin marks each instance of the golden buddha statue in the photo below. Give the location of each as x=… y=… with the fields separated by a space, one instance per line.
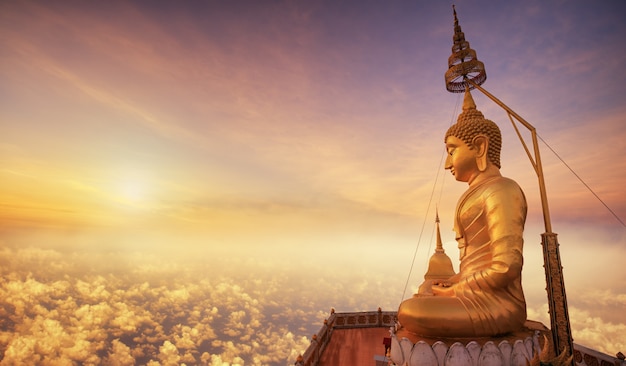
x=485 y=298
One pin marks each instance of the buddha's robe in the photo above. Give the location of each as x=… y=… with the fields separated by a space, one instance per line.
x=486 y=297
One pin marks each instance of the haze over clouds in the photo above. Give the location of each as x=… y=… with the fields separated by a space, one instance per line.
x=200 y=182
x=128 y=308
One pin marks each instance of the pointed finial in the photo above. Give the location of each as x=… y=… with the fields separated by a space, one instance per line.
x=439 y=243
x=468 y=100
x=456 y=20
x=462 y=64
x=470 y=114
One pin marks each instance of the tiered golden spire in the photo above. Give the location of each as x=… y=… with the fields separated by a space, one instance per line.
x=463 y=64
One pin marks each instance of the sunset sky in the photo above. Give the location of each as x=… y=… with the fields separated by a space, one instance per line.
x=291 y=152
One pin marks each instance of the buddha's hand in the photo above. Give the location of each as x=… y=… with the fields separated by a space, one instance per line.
x=425 y=288
x=443 y=288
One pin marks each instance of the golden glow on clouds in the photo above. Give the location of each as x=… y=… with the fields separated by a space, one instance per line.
x=201 y=305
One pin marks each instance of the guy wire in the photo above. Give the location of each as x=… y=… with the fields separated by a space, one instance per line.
x=406 y=284
x=583 y=182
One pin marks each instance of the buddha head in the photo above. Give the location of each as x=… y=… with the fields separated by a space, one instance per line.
x=475 y=138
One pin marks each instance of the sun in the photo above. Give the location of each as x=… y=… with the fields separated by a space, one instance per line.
x=132 y=191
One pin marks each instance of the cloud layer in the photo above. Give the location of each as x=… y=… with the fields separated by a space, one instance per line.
x=132 y=308
x=152 y=315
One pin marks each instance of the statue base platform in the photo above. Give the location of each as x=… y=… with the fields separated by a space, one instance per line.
x=519 y=348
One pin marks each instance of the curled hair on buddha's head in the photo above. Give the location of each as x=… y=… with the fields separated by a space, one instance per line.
x=472 y=123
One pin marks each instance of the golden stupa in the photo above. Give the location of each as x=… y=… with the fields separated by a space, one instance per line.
x=439 y=265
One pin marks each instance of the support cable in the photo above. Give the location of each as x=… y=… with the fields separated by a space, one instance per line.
x=583 y=182
x=419 y=240
x=406 y=284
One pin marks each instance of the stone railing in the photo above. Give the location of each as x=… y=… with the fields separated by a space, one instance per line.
x=583 y=356
x=366 y=319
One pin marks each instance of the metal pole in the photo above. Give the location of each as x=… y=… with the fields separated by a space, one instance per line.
x=555 y=285
x=536 y=164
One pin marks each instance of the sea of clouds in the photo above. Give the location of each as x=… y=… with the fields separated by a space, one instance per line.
x=120 y=308
x=124 y=308
x=60 y=309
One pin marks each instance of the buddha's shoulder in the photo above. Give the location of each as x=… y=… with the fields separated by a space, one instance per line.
x=508 y=182
x=502 y=184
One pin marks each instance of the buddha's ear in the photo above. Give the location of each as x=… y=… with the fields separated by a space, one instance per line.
x=481 y=144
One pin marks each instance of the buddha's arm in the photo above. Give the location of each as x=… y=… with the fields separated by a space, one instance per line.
x=506 y=264
x=505 y=210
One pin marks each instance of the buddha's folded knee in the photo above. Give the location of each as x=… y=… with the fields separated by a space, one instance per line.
x=428 y=314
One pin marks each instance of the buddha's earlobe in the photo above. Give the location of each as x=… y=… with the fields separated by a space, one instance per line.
x=481 y=144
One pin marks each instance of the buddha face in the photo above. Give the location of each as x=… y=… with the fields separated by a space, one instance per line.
x=461 y=160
